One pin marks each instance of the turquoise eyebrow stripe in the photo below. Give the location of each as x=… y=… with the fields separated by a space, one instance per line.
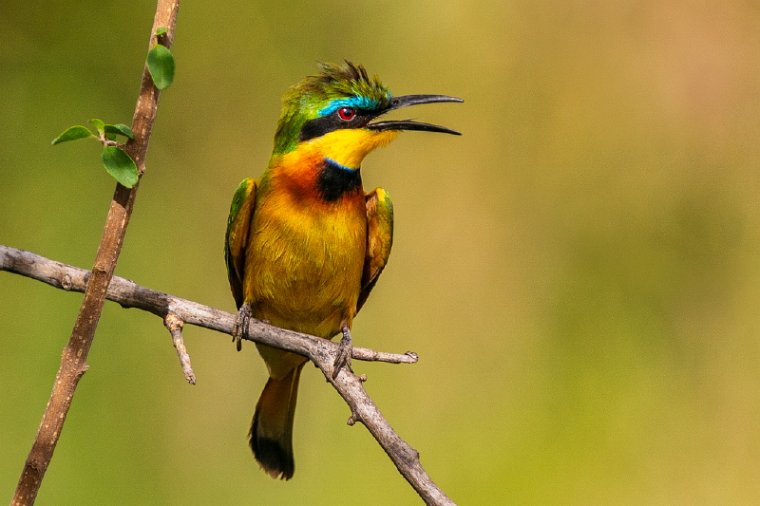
x=355 y=102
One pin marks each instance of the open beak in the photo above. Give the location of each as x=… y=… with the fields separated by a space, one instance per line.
x=408 y=124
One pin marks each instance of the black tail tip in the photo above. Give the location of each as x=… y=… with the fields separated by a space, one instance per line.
x=273 y=458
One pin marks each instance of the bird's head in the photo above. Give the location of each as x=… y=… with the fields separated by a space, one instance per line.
x=333 y=113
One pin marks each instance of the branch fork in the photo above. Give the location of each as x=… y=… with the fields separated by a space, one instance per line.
x=175 y=324
x=176 y=312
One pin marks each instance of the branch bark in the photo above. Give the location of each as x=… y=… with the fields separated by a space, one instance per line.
x=174 y=324
x=74 y=358
x=320 y=351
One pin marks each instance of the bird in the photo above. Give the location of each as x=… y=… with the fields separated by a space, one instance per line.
x=305 y=244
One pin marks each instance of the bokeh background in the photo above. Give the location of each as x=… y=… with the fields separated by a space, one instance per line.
x=578 y=272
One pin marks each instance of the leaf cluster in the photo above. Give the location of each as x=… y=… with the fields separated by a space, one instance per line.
x=160 y=64
x=115 y=160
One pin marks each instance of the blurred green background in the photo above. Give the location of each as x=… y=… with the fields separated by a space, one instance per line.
x=578 y=272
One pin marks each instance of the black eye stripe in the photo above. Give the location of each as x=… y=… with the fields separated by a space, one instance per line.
x=320 y=126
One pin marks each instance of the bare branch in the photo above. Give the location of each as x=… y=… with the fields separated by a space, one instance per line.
x=129 y=294
x=174 y=324
x=74 y=358
x=320 y=351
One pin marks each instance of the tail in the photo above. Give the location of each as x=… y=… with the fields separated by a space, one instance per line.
x=271 y=436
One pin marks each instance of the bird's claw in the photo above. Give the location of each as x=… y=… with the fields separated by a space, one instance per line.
x=345 y=349
x=240 y=329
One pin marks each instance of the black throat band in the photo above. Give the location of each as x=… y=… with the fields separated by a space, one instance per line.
x=335 y=180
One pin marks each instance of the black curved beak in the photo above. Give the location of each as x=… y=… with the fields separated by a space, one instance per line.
x=408 y=124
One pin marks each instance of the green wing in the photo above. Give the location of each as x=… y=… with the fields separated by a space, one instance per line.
x=379 y=240
x=236 y=238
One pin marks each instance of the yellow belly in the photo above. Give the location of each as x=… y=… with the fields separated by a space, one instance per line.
x=304 y=265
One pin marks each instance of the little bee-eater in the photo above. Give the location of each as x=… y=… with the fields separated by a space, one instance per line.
x=304 y=244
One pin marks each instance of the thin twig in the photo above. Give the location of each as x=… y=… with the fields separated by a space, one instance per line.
x=174 y=324
x=74 y=358
x=320 y=351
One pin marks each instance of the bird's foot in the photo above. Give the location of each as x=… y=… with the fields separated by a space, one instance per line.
x=240 y=329
x=344 y=352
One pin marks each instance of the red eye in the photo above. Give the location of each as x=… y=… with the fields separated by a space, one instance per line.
x=346 y=113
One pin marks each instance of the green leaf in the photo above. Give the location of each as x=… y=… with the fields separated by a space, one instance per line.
x=98 y=124
x=161 y=30
x=73 y=133
x=120 y=166
x=120 y=129
x=161 y=66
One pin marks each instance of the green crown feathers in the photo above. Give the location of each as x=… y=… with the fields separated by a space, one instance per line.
x=337 y=85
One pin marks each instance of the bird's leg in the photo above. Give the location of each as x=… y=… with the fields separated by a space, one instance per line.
x=240 y=329
x=344 y=352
